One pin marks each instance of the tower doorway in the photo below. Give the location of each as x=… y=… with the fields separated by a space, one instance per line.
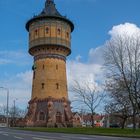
x=58 y=117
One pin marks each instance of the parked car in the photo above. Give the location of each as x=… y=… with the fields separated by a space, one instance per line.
x=114 y=126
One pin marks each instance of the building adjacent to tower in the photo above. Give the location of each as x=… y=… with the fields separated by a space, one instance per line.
x=49 y=44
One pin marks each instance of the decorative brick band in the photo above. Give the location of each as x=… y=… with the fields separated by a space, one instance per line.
x=35 y=100
x=55 y=56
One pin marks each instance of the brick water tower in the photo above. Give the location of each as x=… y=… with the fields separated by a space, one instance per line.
x=49 y=44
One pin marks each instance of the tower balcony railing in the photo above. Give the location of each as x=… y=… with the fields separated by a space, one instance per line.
x=49 y=41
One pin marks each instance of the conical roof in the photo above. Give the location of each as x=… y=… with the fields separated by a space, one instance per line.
x=49 y=11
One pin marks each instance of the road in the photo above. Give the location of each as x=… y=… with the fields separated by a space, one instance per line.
x=10 y=134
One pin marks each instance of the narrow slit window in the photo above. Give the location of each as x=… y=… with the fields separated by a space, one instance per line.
x=43 y=67
x=43 y=85
x=57 y=86
x=56 y=67
x=67 y=35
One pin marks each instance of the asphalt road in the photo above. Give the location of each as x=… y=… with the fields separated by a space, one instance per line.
x=10 y=134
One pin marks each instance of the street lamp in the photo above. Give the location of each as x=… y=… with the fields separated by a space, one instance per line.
x=14 y=113
x=7 y=112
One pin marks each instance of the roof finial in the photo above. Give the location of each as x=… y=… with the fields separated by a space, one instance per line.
x=50 y=9
x=49 y=1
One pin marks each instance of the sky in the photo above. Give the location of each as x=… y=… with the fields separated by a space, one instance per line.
x=96 y=21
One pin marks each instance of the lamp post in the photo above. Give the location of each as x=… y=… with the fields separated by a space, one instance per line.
x=14 y=113
x=7 y=110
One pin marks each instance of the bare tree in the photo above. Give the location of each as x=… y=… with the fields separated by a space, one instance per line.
x=88 y=96
x=16 y=113
x=122 y=60
x=119 y=105
x=3 y=110
x=119 y=110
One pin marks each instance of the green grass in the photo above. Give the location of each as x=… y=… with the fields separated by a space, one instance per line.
x=89 y=131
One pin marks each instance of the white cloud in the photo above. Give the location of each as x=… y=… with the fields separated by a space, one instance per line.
x=14 y=57
x=78 y=58
x=5 y=61
x=19 y=88
x=127 y=29
x=96 y=55
x=26 y=77
x=85 y=73
x=90 y=71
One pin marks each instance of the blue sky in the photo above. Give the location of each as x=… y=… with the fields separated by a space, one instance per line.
x=93 y=20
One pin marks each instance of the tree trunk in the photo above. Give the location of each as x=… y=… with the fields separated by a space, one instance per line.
x=134 y=121
x=92 y=120
x=139 y=124
x=123 y=123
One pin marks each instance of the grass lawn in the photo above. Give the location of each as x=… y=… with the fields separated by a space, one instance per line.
x=89 y=131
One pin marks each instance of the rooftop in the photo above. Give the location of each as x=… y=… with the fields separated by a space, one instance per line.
x=49 y=11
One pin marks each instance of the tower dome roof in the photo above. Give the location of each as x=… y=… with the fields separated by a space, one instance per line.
x=49 y=11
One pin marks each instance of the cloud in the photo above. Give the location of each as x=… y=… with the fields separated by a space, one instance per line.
x=26 y=77
x=127 y=29
x=90 y=71
x=5 y=61
x=14 y=57
x=85 y=73
x=78 y=58
x=19 y=88
x=96 y=55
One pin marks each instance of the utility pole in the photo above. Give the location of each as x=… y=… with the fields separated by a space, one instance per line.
x=14 y=113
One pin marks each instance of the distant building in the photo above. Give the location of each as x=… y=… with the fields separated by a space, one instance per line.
x=77 y=120
x=49 y=44
x=3 y=121
x=98 y=120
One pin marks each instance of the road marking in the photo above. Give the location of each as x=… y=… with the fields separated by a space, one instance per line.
x=31 y=135
x=81 y=138
x=5 y=134
x=18 y=137
x=40 y=138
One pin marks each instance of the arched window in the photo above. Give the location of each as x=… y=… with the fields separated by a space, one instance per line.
x=47 y=30
x=41 y=116
x=58 y=117
x=36 y=32
x=58 y=31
